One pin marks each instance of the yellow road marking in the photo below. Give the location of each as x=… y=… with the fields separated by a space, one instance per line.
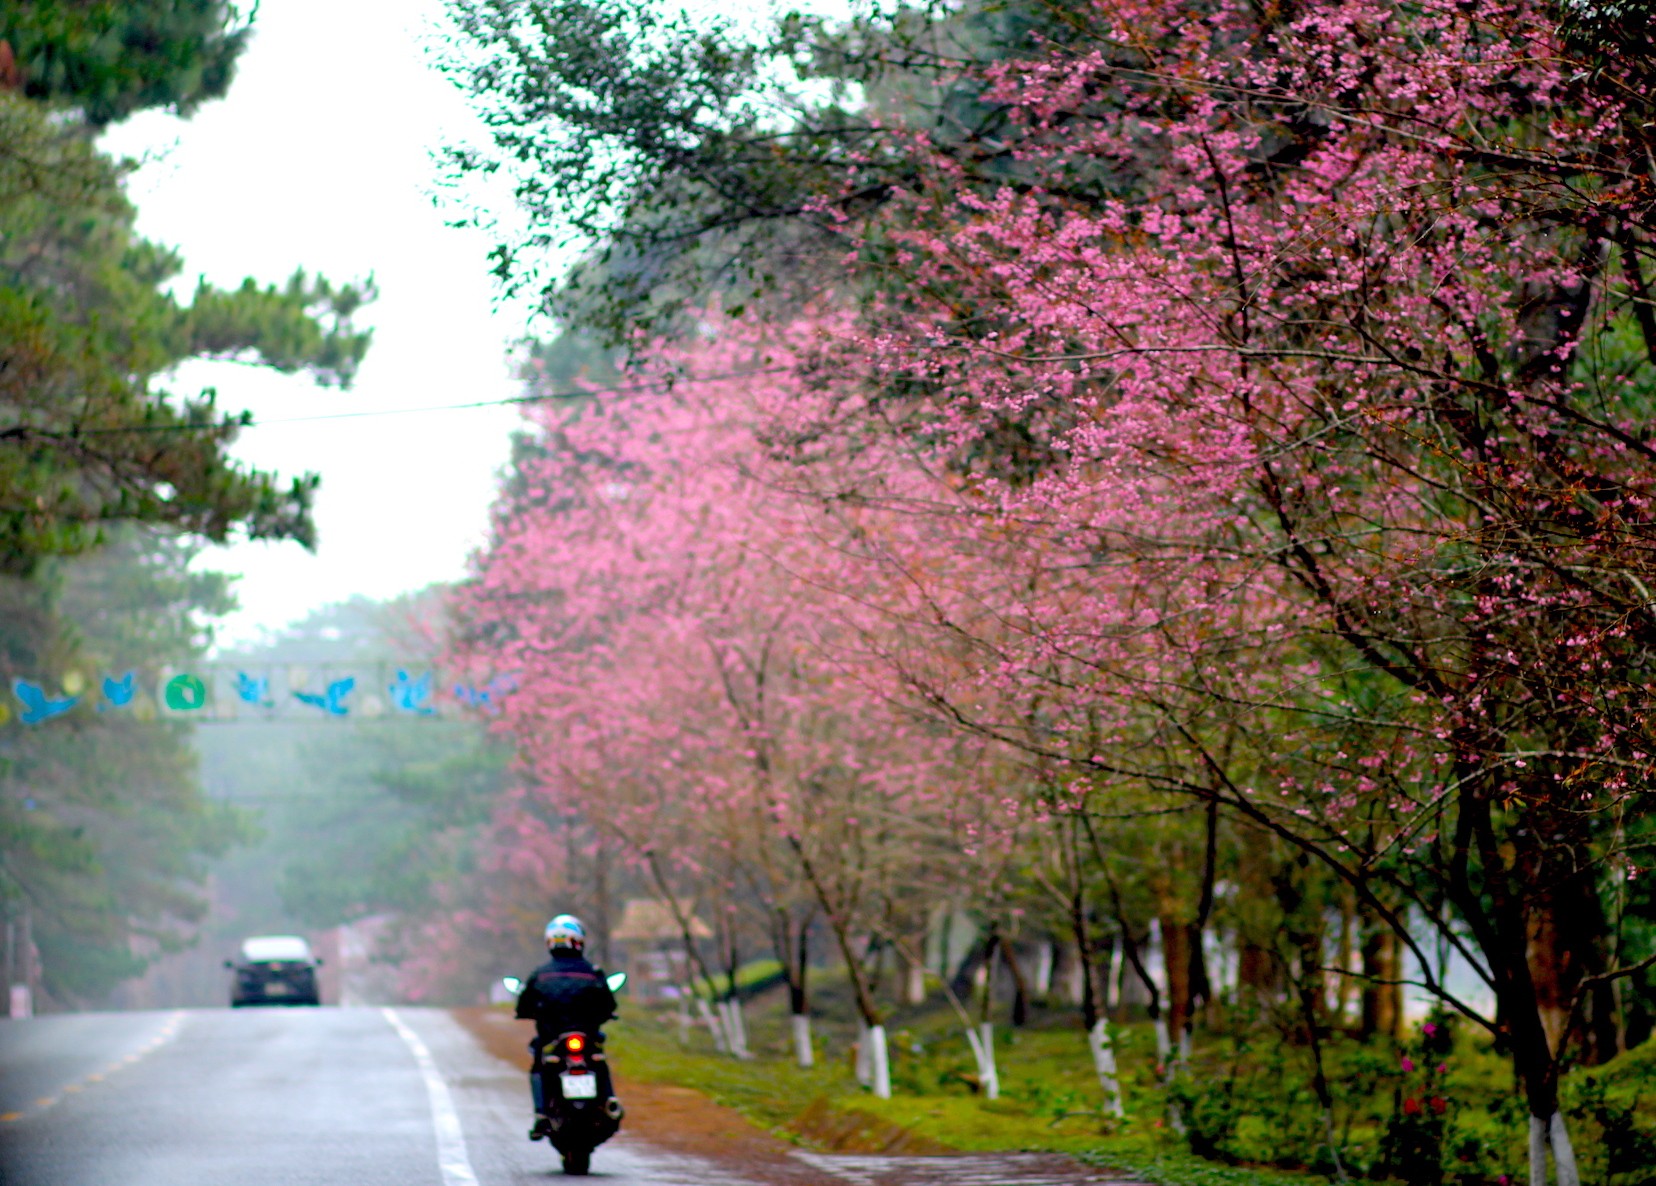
x=96 y=1077
x=167 y=1033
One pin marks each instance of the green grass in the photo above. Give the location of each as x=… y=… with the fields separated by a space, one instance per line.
x=755 y=973
x=1050 y=1100
x=1253 y=1093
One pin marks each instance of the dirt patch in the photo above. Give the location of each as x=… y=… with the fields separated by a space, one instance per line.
x=848 y=1131
x=676 y=1119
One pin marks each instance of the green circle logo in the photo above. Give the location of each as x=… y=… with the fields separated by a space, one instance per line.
x=185 y=693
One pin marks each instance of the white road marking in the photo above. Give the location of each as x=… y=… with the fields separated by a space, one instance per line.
x=451 y=1140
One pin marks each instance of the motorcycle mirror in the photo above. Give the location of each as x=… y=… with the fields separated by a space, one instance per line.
x=512 y=983
x=615 y=980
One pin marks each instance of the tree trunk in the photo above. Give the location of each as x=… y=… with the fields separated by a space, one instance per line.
x=799 y=999
x=881 y=1062
x=1104 y=1065
x=1382 y=994
x=715 y=1027
x=735 y=1027
x=803 y=1054
x=982 y=1042
x=914 y=989
x=1181 y=943
x=1551 y=1133
x=1020 y=988
x=1043 y=971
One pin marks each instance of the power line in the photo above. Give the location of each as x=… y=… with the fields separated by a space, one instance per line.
x=542 y=397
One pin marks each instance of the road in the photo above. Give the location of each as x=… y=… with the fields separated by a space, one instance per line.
x=333 y=1097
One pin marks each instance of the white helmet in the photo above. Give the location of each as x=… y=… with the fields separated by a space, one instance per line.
x=565 y=933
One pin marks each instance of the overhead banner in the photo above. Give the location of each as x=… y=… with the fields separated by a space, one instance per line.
x=226 y=692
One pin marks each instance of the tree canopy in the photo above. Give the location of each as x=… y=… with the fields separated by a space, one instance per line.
x=1242 y=409
x=108 y=59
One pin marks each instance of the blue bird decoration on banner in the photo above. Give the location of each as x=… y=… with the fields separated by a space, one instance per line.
x=332 y=701
x=37 y=706
x=412 y=695
x=487 y=697
x=119 y=692
x=253 y=690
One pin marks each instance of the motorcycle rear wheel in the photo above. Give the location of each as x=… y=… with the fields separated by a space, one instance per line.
x=577 y=1162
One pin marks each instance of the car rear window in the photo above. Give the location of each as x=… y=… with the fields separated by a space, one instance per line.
x=275 y=949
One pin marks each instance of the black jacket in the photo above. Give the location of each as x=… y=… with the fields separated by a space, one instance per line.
x=566 y=993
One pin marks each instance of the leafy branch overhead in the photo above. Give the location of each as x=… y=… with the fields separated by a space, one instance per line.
x=88 y=329
x=108 y=60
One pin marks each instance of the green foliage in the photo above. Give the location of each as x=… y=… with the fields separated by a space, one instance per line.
x=751 y=977
x=86 y=327
x=104 y=832
x=1613 y=1109
x=109 y=59
x=363 y=818
x=697 y=156
x=385 y=809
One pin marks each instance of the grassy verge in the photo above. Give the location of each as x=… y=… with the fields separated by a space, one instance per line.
x=1049 y=1101
x=1437 y=1109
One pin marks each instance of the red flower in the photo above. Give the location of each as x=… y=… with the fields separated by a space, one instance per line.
x=1439 y=1104
x=1411 y=1106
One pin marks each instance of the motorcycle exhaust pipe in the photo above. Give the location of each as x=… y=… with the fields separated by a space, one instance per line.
x=613 y=1108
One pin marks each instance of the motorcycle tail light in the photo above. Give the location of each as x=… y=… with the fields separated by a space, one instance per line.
x=576 y=1043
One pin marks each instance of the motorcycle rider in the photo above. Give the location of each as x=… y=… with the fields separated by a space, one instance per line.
x=565 y=993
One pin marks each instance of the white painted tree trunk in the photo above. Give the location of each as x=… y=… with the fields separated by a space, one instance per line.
x=982 y=1042
x=1564 y=1162
x=1043 y=973
x=865 y=1060
x=714 y=1026
x=1077 y=982
x=1104 y=1063
x=1112 y=978
x=803 y=1055
x=735 y=1027
x=1553 y=1133
x=881 y=1063
x=1164 y=1045
x=915 y=990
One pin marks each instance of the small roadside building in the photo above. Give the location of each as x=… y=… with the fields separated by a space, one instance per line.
x=649 y=943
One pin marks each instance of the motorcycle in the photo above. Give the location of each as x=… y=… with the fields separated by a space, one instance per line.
x=577 y=1093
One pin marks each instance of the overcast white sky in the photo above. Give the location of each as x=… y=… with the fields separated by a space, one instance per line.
x=320 y=157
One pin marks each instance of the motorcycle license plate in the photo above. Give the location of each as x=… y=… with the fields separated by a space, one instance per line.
x=579 y=1087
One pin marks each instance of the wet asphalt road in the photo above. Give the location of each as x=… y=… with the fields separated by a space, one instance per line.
x=344 y=1097
x=277 y=1097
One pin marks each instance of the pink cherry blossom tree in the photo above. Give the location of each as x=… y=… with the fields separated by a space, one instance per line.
x=1303 y=360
